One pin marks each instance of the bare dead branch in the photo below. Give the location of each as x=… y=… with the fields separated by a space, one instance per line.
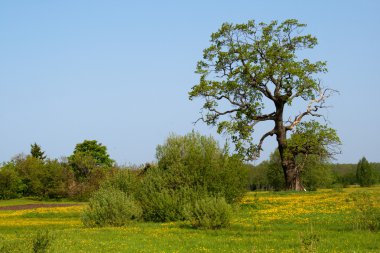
x=313 y=106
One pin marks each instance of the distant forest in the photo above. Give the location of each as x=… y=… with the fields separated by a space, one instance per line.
x=268 y=175
x=347 y=171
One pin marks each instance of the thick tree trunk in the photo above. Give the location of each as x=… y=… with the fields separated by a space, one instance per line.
x=291 y=173
x=288 y=163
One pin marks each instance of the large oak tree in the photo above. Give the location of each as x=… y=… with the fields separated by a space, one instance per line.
x=250 y=66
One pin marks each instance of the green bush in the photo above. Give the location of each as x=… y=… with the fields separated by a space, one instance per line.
x=209 y=213
x=161 y=206
x=56 y=180
x=196 y=161
x=11 y=185
x=160 y=201
x=31 y=171
x=111 y=207
x=124 y=180
x=30 y=176
x=42 y=242
x=189 y=167
x=82 y=189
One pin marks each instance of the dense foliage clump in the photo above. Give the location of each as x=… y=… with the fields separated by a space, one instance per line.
x=191 y=171
x=365 y=174
x=89 y=155
x=196 y=161
x=111 y=207
x=209 y=212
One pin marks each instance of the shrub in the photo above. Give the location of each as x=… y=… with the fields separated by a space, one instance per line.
x=162 y=206
x=11 y=185
x=111 y=207
x=189 y=167
x=30 y=176
x=160 y=203
x=56 y=180
x=365 y=214
x=124 y=180
x=42 y=241
x=209 y=213
x=309 y=241
x=82 y=189
x=31 y=171
x=197 y=161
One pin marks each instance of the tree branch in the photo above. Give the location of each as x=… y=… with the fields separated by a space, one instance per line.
x=313 y=106
x=259 y=146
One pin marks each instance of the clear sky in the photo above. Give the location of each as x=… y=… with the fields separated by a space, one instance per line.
x=119 y=71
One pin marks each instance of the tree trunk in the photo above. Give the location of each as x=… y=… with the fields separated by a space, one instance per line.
x=291 y=172
x=292 y=175
x=288 y=162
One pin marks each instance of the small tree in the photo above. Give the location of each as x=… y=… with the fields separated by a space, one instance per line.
x=89 y=155
x=251 y=66
x=11 y=185
x=310 y=146
x=365 y=173
x=32 y=172
x=36 y=152
x=56 y=179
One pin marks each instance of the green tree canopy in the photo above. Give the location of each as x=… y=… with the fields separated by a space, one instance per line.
x=88 y=155
x=313 y=138
x=250 y=66
x=365 y=173
x=36 y=151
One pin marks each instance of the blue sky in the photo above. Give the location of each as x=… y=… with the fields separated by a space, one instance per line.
x=119 y=71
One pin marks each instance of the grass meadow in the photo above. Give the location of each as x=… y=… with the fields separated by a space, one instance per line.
x=321 y=221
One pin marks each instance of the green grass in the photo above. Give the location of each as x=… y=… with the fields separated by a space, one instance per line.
x=266 y=222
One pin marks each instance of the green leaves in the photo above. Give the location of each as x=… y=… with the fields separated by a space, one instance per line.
x=94 y=150
x=36 y=152
x=87 y=156
x=313 y=138
x=248 y=65
x=365 y=173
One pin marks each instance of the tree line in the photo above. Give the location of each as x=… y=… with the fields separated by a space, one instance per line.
x=198 y=159
x=76 y=176
x=192 y=159
x=316 y=174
